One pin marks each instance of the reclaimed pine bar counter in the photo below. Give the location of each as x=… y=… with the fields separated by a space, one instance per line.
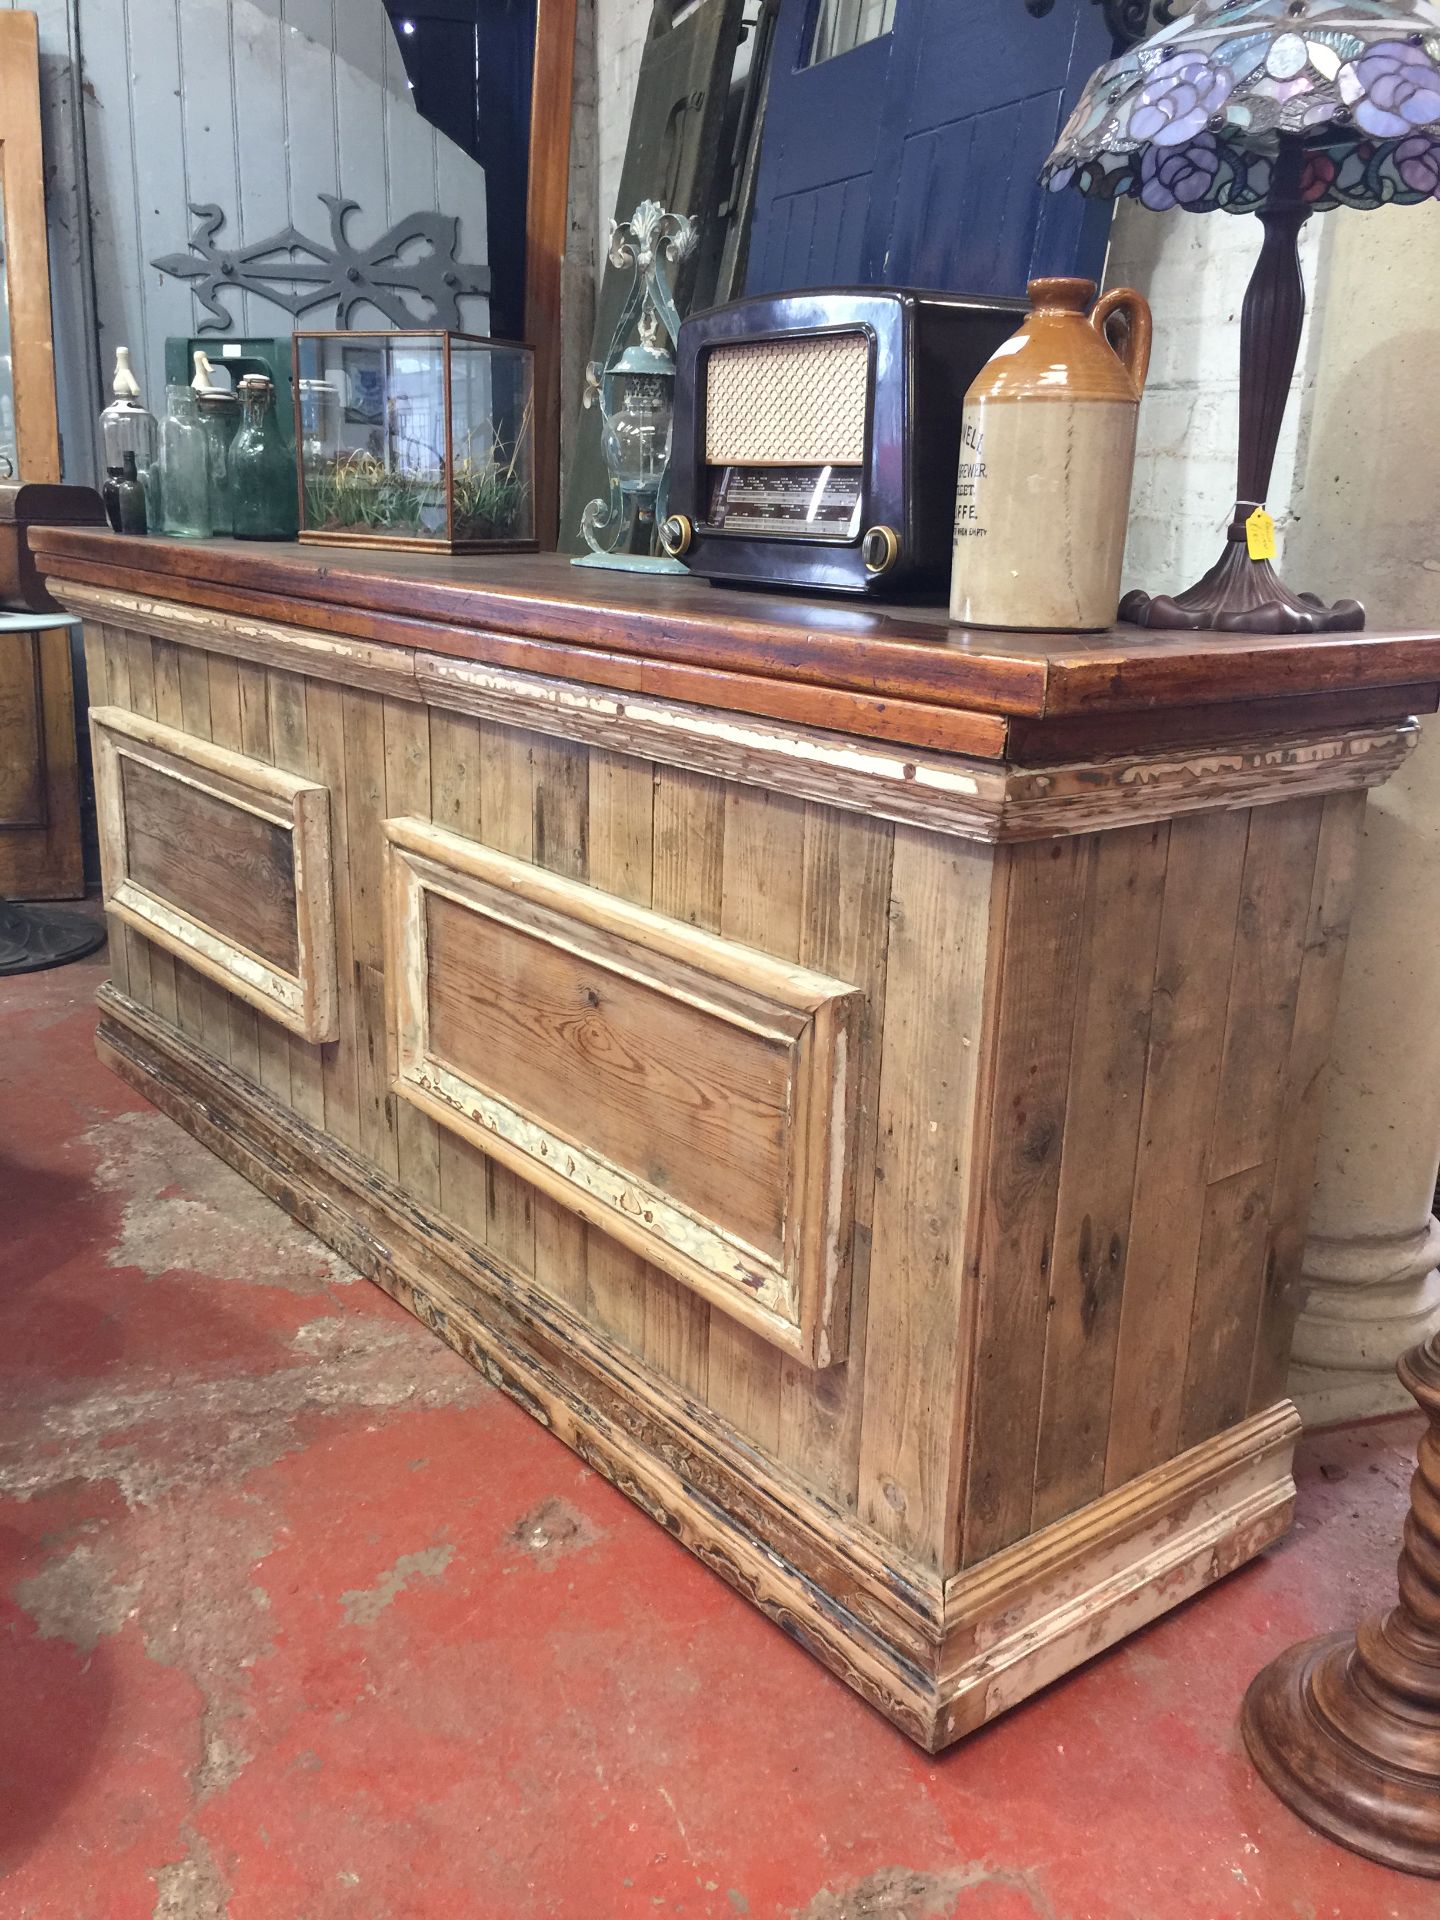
x=854 y=1079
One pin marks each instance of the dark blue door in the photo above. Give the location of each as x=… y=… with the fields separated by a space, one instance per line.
x=909 y=155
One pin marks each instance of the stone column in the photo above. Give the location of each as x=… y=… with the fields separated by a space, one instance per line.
x=1364 y=523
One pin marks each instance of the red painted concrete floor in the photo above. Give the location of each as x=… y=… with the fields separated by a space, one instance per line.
x=298 y=1618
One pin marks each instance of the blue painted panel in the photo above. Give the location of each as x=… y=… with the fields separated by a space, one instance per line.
x=817 y=159
x=932 y=137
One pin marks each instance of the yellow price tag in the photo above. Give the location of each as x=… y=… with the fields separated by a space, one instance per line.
x=1260 y=535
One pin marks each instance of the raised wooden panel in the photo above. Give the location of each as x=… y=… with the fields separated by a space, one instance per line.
x=22 y=740
x=688 y=1095
x=221 y=860
x=223 y=865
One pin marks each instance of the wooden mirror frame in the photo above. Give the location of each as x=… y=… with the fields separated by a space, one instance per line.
x=27 y=252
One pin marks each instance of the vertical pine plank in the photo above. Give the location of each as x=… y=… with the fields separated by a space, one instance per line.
x=943 y=896
x=687 y=840
x=1045 y=915
x=208 y=1002
x=761 y=905
x=455 y=797
x=242 y=1037
x=253 y=1037
x=145 y=698
x=1187 y=1028
x=364 y=720
x=407 y=791
x=103 y=694
x=1097 y=1165
x=1264 y=980
x=621 y=805
x=1229 y=1285
x=325 y=725
x=290 y=750
x=560 y=770
x=119 y=651
x=1327 y=929
x=507 y=814
x=845 y=932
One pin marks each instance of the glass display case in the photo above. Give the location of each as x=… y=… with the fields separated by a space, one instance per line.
x=421 y=439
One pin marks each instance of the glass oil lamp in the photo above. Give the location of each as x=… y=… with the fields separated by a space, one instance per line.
x=634 y=390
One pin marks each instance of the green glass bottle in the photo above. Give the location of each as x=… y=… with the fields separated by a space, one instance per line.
x=263 y=501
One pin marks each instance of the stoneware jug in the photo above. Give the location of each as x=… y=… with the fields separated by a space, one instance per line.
x=1047 y=455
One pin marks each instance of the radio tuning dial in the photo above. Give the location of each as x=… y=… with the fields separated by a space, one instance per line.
x=676 y=533
x=880 y=549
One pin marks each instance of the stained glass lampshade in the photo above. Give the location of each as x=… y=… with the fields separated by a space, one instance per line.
x=1281 y=108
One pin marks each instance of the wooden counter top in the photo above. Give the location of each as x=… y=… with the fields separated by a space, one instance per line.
x=898 y=672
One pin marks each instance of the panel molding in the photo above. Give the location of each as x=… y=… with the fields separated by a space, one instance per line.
x=796 y=1297
x=304 y=998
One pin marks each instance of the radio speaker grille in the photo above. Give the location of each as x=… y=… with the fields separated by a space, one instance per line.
x=787 y=402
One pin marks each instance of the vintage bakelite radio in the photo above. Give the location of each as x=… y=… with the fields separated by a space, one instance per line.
x=817 y=437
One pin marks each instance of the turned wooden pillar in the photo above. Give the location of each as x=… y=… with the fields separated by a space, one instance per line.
x=1346 y=1728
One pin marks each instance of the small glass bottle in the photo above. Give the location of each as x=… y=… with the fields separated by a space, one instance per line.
x=127 y=424
x=110 y=496
x=130 y=497
x=262 y=468
x=184 y=468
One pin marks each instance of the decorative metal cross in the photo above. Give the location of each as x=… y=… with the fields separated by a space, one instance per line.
x=296 y=273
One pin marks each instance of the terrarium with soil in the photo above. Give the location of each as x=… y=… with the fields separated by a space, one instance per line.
x=415 y=440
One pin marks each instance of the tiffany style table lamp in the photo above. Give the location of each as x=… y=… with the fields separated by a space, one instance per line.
x=1281 y=108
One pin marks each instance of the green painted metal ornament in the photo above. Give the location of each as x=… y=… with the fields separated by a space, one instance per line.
x=634 y=391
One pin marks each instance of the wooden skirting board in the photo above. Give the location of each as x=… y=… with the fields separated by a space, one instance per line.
x=939 y=1658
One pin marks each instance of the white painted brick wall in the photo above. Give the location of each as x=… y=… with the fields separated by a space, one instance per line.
x=619 y=37
x=1193 y=269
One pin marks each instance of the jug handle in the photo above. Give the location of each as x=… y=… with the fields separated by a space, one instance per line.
x=1135 y=310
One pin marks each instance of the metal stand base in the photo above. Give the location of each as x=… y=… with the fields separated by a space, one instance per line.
x=33 y=938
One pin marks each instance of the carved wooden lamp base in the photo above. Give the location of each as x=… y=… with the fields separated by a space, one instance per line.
x=1241 y=595
x=1346 y=1728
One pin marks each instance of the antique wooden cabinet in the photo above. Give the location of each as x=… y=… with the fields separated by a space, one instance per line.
x=854 y=1079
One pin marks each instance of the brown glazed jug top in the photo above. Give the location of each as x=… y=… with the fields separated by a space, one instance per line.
x=1063 y=352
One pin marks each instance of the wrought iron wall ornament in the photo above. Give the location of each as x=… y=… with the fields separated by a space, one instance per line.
x=296 y=273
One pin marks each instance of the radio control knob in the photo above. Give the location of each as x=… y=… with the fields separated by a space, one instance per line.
x=880 y=549
x=676 y=533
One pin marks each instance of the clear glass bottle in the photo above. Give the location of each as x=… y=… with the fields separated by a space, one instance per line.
x=220 y=417
x=184 y=468
x=263 y=500
x=127 y=424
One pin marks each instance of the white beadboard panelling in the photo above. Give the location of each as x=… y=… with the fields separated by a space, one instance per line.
x=157 y=160
x=258 y=106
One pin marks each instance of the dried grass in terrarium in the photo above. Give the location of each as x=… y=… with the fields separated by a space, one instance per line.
x=357 y=493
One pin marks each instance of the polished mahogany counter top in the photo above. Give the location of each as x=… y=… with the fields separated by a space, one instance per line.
x=894 y=671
